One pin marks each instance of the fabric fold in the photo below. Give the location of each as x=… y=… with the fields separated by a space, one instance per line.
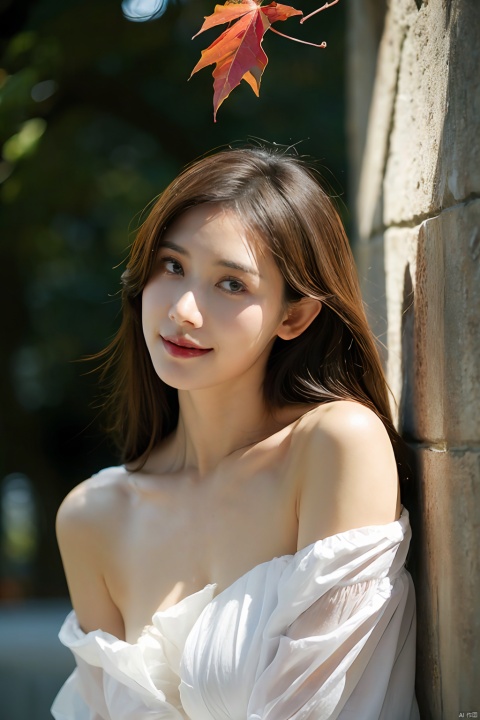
x=115 y=679
x=328 y=632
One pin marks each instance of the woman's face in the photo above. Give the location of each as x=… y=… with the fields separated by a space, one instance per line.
x=213 y=304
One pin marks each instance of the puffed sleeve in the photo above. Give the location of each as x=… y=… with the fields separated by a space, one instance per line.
x=116 y=680
x=75 y=701
x=341 y=641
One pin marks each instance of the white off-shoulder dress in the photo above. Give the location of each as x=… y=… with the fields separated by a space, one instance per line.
x=326 y=633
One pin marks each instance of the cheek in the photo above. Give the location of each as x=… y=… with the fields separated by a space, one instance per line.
x=152 y=298
x=253 y=325
x=146 y=303
x=148 y=291
x=150 y=313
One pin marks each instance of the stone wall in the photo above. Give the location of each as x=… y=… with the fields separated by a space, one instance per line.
x=416 y=183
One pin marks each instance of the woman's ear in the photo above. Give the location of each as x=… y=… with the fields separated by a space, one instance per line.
x=299 y=317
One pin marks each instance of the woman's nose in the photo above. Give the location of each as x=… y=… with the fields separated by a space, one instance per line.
x=185 y=311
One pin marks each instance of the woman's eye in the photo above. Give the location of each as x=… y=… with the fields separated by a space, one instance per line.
x=172 y=266
x=232 y=286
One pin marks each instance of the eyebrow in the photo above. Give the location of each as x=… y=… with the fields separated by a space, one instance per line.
x=238 y=266
x=223 y=263
x=173 y=246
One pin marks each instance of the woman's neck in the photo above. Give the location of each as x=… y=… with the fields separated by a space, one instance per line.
x=215 y=423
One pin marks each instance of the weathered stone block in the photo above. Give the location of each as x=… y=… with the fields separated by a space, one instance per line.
x=434 y=153
x=458 y=172
x=433 y=290
x=446 y=571
x=420 y=103
x=447 y=332
x=369 y=200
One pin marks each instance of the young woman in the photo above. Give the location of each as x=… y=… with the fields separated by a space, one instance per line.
x=247 y=559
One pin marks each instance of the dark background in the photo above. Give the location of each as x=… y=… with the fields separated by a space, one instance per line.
x=96 y=117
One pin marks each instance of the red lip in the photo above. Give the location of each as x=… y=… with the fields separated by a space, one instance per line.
x=179 y=347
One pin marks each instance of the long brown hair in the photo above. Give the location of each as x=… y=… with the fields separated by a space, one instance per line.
x=281 y=203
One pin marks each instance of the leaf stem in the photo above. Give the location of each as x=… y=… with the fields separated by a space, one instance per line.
x=324 y=7
x=304 y=42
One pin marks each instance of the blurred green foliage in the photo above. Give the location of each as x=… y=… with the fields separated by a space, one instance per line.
x=96 y=116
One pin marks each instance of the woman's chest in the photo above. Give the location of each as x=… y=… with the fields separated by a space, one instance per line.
x=175 y=543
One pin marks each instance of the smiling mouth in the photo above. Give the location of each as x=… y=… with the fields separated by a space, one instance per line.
x=177 y=347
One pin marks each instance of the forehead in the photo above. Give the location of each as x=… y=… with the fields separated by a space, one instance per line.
x=215 y=229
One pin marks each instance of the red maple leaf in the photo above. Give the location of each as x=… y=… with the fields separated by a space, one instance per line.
x=238 y=54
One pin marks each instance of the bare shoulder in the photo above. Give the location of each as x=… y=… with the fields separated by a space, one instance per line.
x=93 y=502
x=347 y=472
x=89 y=521
x=346 y=424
